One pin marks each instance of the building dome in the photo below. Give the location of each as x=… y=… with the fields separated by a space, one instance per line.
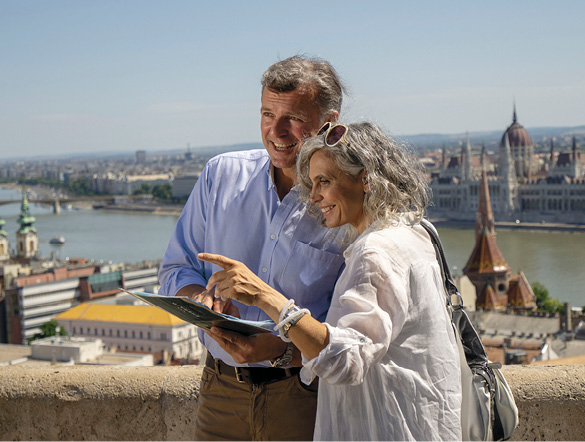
x=517 y=135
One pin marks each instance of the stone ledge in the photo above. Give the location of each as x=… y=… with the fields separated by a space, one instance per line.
x=158 y=403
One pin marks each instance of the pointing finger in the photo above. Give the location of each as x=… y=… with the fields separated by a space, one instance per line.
x=220 y=260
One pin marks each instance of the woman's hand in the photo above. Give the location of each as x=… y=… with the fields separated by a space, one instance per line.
x=236 y=281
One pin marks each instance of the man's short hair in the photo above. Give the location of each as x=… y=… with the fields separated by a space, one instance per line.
x=316 y=75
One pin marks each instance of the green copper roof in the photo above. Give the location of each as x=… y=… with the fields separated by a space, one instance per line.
x=25 y=219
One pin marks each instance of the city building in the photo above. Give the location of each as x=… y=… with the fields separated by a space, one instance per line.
x=135 y=328
x=523 y=188
x=33 y=290
x=183 y=185
x=4 y=243
x=61 y=350
x=36 y=298
x=140 y=157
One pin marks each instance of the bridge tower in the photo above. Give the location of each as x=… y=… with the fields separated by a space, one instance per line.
x=26 y=237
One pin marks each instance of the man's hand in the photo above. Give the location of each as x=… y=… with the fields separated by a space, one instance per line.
x=235 y=280
x=243 y=349
x=207 y=297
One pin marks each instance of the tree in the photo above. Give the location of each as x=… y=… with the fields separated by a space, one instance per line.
x=144 y=189
x=552 y=305
x=162 y=192
x=541 y=293
x=544 y=302
x=48 y=329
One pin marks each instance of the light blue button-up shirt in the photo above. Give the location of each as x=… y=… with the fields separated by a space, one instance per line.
x=234 y=211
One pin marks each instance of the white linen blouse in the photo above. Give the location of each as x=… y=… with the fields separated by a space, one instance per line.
x=391 y=369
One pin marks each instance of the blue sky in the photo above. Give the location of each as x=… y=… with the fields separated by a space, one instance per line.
x=91 y=76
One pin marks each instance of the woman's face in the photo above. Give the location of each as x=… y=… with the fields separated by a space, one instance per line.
x=339 y=196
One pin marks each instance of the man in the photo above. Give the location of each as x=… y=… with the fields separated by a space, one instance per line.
x=245 y=206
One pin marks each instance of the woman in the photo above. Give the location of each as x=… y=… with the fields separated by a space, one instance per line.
x=386 y=354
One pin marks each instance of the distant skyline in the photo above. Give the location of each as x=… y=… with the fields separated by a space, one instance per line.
x=96 y=76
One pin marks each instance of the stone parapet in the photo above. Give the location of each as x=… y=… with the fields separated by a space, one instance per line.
x=159 y=403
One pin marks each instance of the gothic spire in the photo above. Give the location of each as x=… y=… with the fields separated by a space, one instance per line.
x=467 y=160
x=487 y=264
x=485 y=217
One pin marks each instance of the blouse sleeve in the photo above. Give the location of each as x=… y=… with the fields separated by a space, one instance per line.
x=368 y=311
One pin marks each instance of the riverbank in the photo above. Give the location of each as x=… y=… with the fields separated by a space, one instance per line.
x=506 y=225
x=166 y=209
x=176 y=209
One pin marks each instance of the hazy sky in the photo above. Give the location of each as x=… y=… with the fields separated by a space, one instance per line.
x=101 y=75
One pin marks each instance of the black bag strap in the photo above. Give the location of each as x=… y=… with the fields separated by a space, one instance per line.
x=447 y=279
x=474 y=350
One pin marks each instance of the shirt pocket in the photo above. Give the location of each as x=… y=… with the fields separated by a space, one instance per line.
x=309 y=274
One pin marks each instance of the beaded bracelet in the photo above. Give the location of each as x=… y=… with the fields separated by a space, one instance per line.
x=289 y=316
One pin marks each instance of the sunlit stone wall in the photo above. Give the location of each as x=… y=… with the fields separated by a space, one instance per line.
x=159 y=403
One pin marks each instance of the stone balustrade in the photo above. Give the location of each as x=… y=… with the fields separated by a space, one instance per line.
x=159 y=403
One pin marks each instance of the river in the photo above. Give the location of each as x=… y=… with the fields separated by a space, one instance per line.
x=555 y=259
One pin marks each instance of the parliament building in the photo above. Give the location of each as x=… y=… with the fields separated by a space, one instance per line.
x=522 y=187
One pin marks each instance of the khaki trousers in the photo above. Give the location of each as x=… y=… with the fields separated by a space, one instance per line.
x=229 y=410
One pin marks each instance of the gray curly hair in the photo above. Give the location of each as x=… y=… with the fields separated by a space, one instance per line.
x=396 y=179
x=314 y=74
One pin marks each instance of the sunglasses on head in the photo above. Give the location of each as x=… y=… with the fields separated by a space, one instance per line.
x=334 y=134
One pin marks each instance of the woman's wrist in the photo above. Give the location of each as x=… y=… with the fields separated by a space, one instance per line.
x=271 y=303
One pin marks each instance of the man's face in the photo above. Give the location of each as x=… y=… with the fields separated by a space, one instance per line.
x=287 y=119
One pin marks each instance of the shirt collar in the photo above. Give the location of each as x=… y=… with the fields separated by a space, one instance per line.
x=271 y=186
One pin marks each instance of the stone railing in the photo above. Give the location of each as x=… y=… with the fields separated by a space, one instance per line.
x=159 y=403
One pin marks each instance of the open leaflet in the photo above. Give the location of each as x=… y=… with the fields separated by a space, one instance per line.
x=202 y=316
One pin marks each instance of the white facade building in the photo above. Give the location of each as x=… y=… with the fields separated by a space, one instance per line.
x=142 y=329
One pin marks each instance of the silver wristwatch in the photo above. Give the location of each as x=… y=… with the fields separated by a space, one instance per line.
x=284 y=360
x=287 y=327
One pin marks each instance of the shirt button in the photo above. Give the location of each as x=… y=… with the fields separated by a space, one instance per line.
x=272 y=236
x=264 y=270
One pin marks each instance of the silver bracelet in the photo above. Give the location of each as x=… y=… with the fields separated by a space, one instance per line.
x=289 y=316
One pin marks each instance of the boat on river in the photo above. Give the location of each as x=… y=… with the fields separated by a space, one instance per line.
x=58 y=240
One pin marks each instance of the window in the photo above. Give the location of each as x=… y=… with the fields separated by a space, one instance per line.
x=163 y=336
x=118 y=333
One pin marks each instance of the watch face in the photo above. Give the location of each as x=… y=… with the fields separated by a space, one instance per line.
x=285 y=359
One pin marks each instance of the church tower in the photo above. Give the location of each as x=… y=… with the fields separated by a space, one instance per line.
x=487 y=268
x=4 y=245
x=26 y=237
